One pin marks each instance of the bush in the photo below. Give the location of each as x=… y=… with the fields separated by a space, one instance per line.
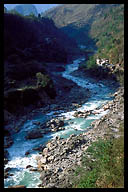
x=42 y=80
x=91 y=63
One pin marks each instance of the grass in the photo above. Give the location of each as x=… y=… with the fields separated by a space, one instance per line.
x=102 y=165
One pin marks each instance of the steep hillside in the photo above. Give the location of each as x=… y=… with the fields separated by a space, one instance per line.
x=29 y=44
x=76 y=19
x=26 y=9
x=98 y=26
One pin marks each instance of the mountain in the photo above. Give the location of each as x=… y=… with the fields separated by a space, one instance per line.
x=76 y=19
x=99 y=27
x=40 y=7
x=26 y=9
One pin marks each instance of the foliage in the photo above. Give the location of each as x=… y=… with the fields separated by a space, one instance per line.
x=108 y=32
x=42 y=80
x=91 y=63
x=102 y=165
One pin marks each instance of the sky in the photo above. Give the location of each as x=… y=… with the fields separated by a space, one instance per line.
x=40 y=7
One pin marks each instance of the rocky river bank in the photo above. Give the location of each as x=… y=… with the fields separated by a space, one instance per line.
x=59 y=158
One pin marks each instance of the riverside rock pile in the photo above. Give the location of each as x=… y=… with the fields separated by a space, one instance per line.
x=59 y=158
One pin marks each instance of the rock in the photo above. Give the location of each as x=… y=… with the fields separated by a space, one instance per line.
x=11 y=174
x=7 y=169
x=51 y=158
x=5 y=160
x=51 y=185
x=45 y=151
x=27 y=153
x=43 y=160
x=55 y=124
x=28 y=166
x=40 y=148
x=43 y=175
x=33 y=169
x=34 y=134
x=6 y=175
x=76 y=105
x=17 y=186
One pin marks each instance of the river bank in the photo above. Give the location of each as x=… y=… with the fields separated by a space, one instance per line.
x=71 y=111
x=60 y=157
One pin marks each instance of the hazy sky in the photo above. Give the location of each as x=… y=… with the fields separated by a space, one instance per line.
x=40 y=7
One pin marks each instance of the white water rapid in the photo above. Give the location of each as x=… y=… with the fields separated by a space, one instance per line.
x=18 y=160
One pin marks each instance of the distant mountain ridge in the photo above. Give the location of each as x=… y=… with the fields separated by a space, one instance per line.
x=26 y=9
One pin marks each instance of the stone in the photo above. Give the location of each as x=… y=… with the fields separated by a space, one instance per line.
x=7 y=169
x=51 y=158
x=17 y=186
x=28 y=166
x=6 y=175
x=45 y=151
x=43 y=175
x=27 y=153
x=11 y=174
x=43 y=160
x=34 y=134
x=33 y=169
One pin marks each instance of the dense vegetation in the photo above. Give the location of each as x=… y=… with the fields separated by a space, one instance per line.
x=108 y=33
x=30 y=43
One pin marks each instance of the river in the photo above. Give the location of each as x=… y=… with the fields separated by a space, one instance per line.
x=100 y=94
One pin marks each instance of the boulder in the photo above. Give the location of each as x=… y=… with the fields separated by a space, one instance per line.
x=28 y=166
x=27 y=153
x=43 y=160
x=45 y=151
x=33 y=169
x=34 y=134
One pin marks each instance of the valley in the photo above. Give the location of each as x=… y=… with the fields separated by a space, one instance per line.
x=58 y=104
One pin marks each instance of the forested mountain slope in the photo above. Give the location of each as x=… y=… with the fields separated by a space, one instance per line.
x=30 y=43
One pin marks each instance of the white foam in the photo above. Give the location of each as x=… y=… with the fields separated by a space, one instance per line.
x=22 y=162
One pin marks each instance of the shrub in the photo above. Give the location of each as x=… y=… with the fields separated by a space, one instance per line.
x=42 y=80
x=91 y=63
